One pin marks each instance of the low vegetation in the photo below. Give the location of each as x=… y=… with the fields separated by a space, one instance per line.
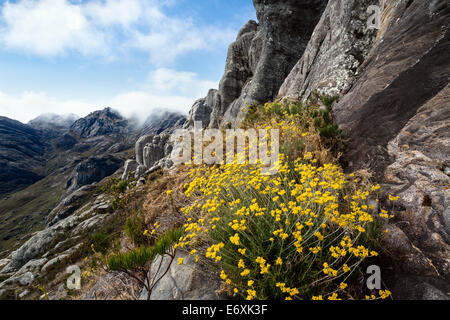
x=304 y=233
x=137 y=262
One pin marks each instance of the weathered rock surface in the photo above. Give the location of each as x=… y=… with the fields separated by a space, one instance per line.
x=93 y=170
x=129 y=168
x=285 y=28
x=260 y=59
x=406 y=67
x=68 y=205
x=156 y=150
x=152 y=151
x=31 y=249
x=189 y=281
x=202 y=109
x=103 y=122
x=139 y=148
x=339 y=45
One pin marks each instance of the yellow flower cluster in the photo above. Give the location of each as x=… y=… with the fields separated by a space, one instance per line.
x=306 y=216
x=291 y=291
x=263 y=265
x=212 y=251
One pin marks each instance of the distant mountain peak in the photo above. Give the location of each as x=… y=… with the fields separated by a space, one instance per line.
x=100 y=122
x=53 y=121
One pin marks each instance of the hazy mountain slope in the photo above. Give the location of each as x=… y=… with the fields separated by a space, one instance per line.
x=21 y=153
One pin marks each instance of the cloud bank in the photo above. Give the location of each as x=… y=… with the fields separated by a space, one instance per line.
x=165 y=88
x=108 y=29
x=104 y=28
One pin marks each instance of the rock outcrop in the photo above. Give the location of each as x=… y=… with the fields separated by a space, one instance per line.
x=339 y=45
x=68 y=205
x=285 y=28
x=188 y=281
x=93 y=170
x=103 y=122
x=260 y=59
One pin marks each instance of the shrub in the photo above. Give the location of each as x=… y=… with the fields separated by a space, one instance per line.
x=303 y=233
x=328 y=100
x=101 y=242
x=135 y=227
x=116 y=203
x=136 y=262
x=294 y=235
x=115 y=186
x=120 y=187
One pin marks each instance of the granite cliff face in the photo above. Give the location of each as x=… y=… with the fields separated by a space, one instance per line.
x=260 y=59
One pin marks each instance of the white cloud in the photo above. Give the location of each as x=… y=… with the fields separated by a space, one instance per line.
x=49 y=27
x=29 y=105
x=165 y=88
x=104 y=28
x=169 y=81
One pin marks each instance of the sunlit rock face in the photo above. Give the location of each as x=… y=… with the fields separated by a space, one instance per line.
x=260 y=59
x=339 y=45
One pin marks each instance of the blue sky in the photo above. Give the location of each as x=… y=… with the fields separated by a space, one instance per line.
x=69 y=56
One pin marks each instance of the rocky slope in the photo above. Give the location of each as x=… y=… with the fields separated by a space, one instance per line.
x=56 y=214
x=21 y=153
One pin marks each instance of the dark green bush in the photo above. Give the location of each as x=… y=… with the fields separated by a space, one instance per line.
x=101 y=241
x=135 y=227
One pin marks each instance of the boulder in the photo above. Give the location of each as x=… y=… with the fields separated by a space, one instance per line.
x=129 y=168
x=139 y=148
x=30 y=250
x=189 y=281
